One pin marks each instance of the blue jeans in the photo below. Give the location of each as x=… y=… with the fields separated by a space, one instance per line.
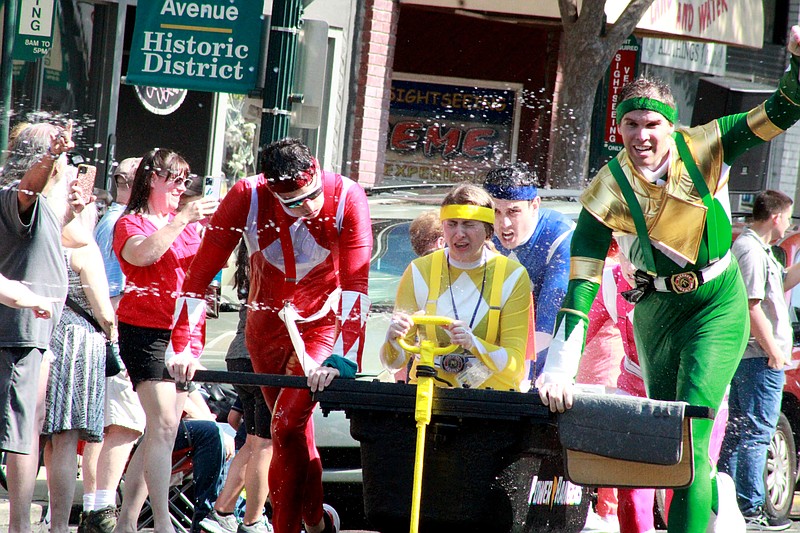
x=208 y=458
x=754 y=406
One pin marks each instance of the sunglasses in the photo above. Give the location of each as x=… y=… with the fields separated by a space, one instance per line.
x=294 y=203
x=178 y=178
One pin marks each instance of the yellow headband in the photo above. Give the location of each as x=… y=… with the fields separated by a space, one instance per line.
x=468 y=212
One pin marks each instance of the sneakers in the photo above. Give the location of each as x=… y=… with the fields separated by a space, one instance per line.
x=600 y=524
x=728 y=519
x=100 y=521
x=331 y=519
x=763 y=522
x=262 y=526
x=216 y=523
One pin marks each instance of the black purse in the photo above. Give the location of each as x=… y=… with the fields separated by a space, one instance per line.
x=114 y=364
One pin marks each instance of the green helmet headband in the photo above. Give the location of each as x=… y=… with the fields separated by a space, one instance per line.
x=650 y=104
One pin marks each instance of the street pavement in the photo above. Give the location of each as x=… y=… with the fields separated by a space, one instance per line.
x=39 y=507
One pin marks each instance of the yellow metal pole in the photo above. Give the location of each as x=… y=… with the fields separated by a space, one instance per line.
x=427 y=350
x=422 y=414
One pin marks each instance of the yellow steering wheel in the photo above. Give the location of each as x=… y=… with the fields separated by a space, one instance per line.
x=428 y=320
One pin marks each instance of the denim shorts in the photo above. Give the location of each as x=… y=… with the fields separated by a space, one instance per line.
x=142 y=350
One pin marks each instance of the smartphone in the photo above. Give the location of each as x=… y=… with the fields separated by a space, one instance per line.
x=212 y=187
x=86 y=177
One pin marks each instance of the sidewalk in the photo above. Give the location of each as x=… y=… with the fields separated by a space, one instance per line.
x=37 y=508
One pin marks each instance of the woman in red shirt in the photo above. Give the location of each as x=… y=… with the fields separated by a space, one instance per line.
x=155 y=244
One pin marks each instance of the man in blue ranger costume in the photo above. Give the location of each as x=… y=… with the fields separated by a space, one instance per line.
x=665 y=198
x=537 y=237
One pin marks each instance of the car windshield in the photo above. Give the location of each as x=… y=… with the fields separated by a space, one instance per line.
x=391 y=254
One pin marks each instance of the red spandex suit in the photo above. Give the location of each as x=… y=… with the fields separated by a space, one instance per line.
x=307 y=307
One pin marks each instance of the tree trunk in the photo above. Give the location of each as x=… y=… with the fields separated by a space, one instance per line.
x=587 y=47
x=570 y=129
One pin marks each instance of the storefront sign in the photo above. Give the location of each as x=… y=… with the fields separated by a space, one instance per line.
x=621 y=72
x=706 y=58
x=739 y=22
x=449 y=130
x=204 y=46
x=35 y=31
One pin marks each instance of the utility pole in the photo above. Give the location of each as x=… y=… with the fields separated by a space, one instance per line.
x=6 y=70
x=279 y=78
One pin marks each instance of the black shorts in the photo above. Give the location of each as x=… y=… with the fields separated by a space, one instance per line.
x=142 y=350
x=257 y=417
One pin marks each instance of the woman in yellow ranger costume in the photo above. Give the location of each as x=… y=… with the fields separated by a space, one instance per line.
x=486 y=294
x=665 y=199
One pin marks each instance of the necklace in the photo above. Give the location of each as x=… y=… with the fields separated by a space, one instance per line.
x=480 y=298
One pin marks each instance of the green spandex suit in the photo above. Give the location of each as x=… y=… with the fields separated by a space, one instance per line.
x=691 y=336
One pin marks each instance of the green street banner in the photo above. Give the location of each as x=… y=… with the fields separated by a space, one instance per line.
x=35 y=29
x=213 y=45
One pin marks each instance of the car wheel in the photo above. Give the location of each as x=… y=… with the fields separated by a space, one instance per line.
x=781 y=470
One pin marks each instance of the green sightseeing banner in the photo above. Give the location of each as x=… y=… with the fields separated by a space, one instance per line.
x=212 y=45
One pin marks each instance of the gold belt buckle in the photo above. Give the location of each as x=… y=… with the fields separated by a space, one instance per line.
x=684 y=282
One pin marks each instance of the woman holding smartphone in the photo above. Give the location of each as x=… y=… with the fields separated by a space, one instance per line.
x=155 y=243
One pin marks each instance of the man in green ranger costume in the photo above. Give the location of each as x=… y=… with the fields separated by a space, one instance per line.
x=665 y=199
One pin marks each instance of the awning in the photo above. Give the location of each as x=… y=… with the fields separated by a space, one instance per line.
x=736 y=22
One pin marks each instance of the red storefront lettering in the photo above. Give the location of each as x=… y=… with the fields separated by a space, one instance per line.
x=436 y=140
x=478 y=142
x=405 y=136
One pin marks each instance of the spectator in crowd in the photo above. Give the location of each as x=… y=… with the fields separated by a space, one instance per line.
x=462 y=282
x=426 y=233
x=537 y=237
x=309 y=238
x=76 y=386
x=155 y=246
x=104 y=231
x=754 y=402
x=250 y=466
x=30 y=251
x=665 y=197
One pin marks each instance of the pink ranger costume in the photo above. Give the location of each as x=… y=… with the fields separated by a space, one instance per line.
x=307 y=307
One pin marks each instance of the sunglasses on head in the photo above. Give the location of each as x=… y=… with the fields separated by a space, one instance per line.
x=294 y=203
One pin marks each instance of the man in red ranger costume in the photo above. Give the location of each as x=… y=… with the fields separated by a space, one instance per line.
x=309 y=237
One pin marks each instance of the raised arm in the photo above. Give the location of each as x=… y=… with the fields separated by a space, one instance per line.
x=779 y=112
x=143 y=251
x=38 y=177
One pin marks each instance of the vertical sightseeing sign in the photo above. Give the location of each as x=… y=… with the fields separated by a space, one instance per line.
x=204 y=46
x=606 y=142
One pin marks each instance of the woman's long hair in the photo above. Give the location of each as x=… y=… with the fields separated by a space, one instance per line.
x=159 y=162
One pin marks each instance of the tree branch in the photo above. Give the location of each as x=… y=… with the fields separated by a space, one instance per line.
x=628 y=20
x=592 y=17
x=569 y=11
